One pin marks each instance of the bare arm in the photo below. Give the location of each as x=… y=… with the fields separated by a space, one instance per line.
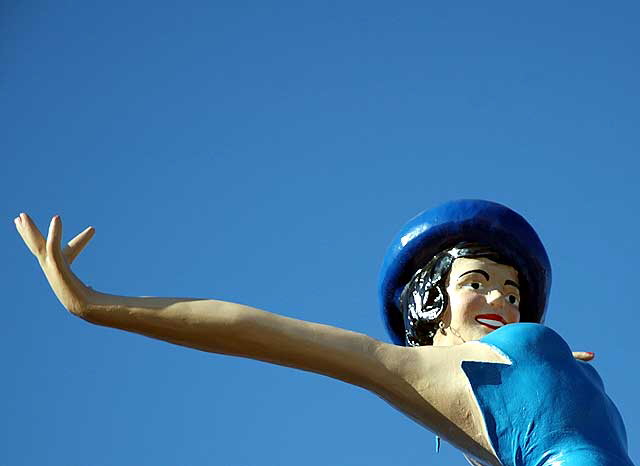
x=234 y=329
x=426 y=383
x=210 y=325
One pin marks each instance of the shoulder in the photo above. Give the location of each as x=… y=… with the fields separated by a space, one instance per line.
x=429 y=384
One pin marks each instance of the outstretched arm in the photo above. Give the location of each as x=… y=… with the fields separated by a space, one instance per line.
x=209 y=325
x=234 y=329
x=425 y=383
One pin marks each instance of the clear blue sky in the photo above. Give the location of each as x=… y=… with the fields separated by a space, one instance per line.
x=266 y=153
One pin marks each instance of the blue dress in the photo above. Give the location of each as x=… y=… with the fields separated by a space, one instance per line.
x=546 y=408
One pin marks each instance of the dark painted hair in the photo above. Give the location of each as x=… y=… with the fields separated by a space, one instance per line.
x=424 y=299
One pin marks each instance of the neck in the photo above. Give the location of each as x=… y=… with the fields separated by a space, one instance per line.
x=447 y=336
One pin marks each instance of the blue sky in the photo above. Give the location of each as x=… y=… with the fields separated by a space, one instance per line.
x=266 y=153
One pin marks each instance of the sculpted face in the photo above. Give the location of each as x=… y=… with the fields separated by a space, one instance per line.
x=483 y=296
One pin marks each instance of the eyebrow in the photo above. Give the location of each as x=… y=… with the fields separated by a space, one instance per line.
x=512 y=283
x=481 y=272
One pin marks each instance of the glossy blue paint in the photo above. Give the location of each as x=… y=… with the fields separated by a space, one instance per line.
x=545 y=408
x=474 y=220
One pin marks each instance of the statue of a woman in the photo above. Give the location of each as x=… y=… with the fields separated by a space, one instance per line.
x=464 y=290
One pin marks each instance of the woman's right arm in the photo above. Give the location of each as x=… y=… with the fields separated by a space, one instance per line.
x=214 y=326
x=425 y=383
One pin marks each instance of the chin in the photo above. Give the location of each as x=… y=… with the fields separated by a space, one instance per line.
x=479 y=332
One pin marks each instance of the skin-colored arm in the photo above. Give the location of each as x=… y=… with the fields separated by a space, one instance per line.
x=234 y=329
x=426 y=383
x=210 y=325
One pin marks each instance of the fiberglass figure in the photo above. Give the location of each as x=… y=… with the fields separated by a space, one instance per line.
x=464 y=290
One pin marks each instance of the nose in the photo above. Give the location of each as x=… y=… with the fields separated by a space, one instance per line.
x=495 y=298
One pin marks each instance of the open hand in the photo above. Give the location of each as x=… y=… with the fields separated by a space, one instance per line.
x=54 y=261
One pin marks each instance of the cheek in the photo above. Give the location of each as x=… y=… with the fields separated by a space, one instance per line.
x=464 y=304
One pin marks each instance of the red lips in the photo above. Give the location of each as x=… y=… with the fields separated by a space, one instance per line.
x=492 y=321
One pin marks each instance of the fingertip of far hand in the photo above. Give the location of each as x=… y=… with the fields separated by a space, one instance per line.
x=584 y=356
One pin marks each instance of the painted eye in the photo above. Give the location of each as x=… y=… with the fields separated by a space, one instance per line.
x=513 y=299
x=475 y=285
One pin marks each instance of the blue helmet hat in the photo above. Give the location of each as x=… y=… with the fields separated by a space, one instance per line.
x=467 y=220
